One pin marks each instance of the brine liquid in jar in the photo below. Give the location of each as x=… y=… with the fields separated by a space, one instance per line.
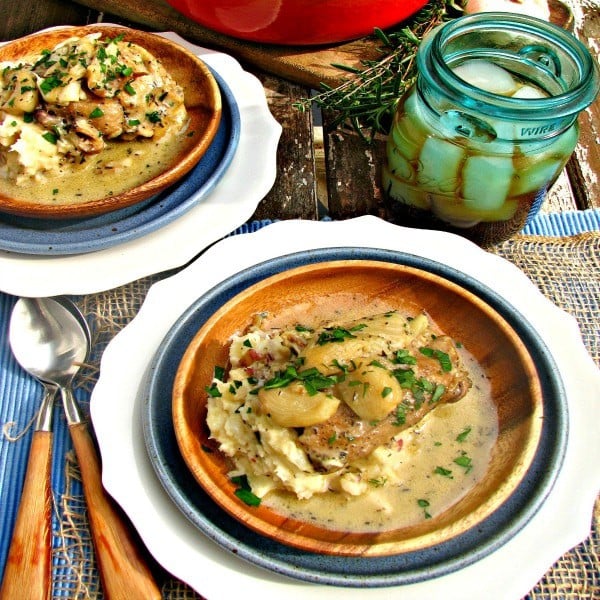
x=474 y=148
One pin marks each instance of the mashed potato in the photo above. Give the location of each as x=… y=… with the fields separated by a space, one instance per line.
x=267 y=454
x=24 y=152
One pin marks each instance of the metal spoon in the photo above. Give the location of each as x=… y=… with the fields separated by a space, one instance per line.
x=54 y=342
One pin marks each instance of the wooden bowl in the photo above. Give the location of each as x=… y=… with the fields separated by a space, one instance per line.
x=202 y=101
x=314 y=291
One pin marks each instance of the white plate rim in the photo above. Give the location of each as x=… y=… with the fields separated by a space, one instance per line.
x=181 y=549
x=228 y=206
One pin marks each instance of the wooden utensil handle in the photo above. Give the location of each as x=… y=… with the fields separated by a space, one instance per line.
x=28 y=567
x=123 y=571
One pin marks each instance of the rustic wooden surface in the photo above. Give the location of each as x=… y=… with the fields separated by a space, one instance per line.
x=584 y=168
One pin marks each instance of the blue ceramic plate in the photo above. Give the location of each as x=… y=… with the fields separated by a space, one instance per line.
x=77 y=236
x=405 y=568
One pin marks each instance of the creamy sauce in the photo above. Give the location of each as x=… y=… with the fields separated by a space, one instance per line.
x=428 y=480
x=121 y=166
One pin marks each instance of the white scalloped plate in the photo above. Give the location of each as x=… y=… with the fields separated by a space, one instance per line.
x=510 y=572
x=249 y=177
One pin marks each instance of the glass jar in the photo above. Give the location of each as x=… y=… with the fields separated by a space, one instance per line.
x=488 y=126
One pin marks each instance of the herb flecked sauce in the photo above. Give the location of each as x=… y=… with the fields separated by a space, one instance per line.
x=121 y=166
x=438 y=461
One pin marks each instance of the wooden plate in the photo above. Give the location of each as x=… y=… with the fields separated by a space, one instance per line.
x=202 y=101
x=314 y=292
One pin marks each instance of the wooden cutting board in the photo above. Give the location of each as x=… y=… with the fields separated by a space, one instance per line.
x=305 y=65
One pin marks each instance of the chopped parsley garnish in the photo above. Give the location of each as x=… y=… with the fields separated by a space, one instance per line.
x=96 y=113
x=154 y=117
x=442 y=357
x=462 y=436
x=400 y=415
x=50 y=137
x=129 y=89
x=376 y=363
x=338 y=334
x=404 y=357
x=124 y=70
x=213 y=391
x=244 y=492
x=50 y=83
x=338 y=365
x=437 y=393
x=464 y=461
x=443 y=472
x=101 y=53
x=418 y=386
x=312 y=379
x=406 y=377
x=424 y=504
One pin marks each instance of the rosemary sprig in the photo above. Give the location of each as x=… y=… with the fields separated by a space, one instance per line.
x=366 y=101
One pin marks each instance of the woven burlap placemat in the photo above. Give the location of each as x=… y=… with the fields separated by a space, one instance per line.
x=566 y=270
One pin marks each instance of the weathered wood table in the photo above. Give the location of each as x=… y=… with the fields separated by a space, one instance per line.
x=323 y=171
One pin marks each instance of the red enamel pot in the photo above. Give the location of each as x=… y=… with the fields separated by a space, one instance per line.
x=297 y=22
